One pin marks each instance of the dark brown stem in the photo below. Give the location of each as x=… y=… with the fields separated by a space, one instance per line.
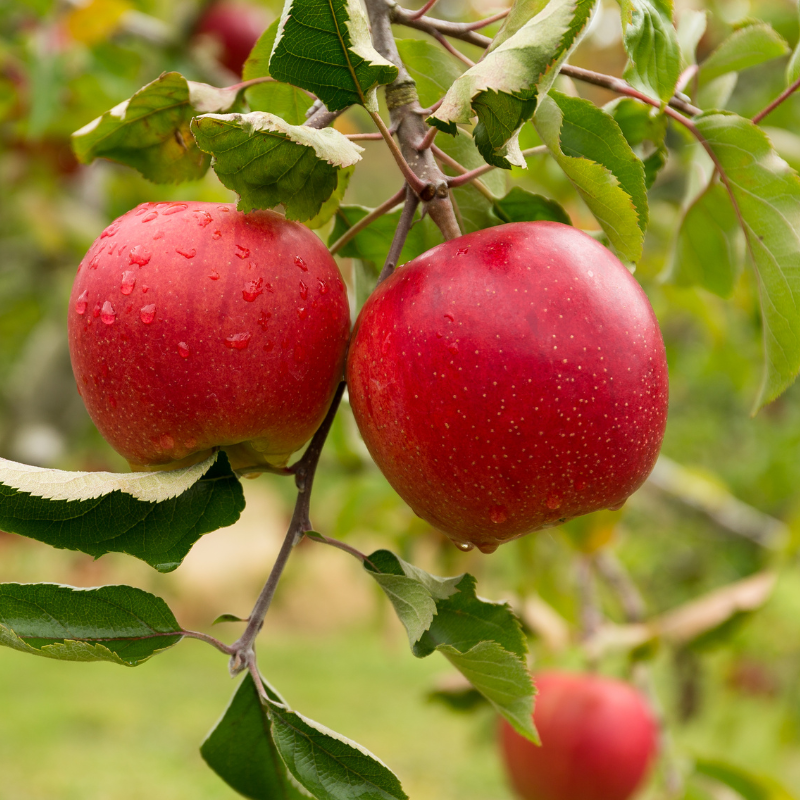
x=777 y=101
x=242 y=650
x=400 y=234
x=404 y=108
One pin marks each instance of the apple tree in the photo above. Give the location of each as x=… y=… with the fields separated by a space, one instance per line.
x=209 y=340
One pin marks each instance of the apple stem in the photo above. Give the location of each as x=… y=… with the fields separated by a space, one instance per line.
x=243 y=650
x=400 y=234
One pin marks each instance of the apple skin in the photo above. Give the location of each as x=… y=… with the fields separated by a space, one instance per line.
x=237 y=27
x=599 y=738
x=192 y=326
x=509 y=380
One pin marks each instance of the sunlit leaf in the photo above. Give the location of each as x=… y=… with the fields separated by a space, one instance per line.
x=329 y=207
x=156 y=517
x=746 y=47
x=767 y=193
x=120 y=624
x=651 y=43
x=325 y=47
x=503 y=88
x=746 y=784
x=520 y=205
x=481 y=639
x=267 y=161
x=589 y=146
x=150 y=131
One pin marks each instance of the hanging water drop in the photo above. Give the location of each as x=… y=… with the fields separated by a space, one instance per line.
x=300 y=263
x=237 y=341
x=183 y=350
x=128 y=282
x=107 y=313
x=147 y=314
x=303 y=290
x=186 y=253
x=82 y=303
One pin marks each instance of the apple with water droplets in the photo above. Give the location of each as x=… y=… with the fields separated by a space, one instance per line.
x=509 y=380
x=599 y=739
x=194 y=326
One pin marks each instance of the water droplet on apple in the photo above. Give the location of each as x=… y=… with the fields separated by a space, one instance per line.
x=94 y=263
x=242 y=252
x=214 y=275
x=553 y=502
x=96 y=310
x=301 y=312
x=487 y=548
x=263 y=319
x=147 y=314
x=462 y=251
x=300 y=263
x=82 y=303
x=237 y=341
x=112 y=401
x=107 y=313
x=453 y=347
x=323 y=287
x=252 y=290
x=203 y=218
x=465 y=546
x=150 y=217
x=167 y=442
x=303 y=290
x=449 y=317
x=143 y=209
x=139 y=255
x=187 y=253
x=110 y=230
x=175 y=208
x=128 y=282
x=216 y=235
x=183 y=350
x=498 y=514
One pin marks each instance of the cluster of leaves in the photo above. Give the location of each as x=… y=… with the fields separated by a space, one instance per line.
x=255 y=137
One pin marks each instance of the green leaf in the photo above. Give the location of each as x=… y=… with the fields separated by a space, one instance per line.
x=651 y=42
x=412 y=591
x=228 y=618
x=589 y=146
x=476 y=211
x=433 y=68
x=708 y=249
x=767 y=192
x=240 y=749
x=522 y=12
x=280 y=99
x=328 y=765
x=150 y=131
x=268 y=162
x=155 y=516
x=483 y=640
x=746 y=784
x=691 y=27
x=503 y=88
x=330 y=206
x=520 y=205
x=372 y=244
x=325 y=47
x=113 y=623
x=746 y=47
x=641 y=124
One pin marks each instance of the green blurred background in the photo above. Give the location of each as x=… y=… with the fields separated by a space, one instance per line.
x=331 y=643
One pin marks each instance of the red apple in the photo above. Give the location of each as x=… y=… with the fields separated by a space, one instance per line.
x=509 y=380
x=192 y=325
x=236 y=28
x=598 y=741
